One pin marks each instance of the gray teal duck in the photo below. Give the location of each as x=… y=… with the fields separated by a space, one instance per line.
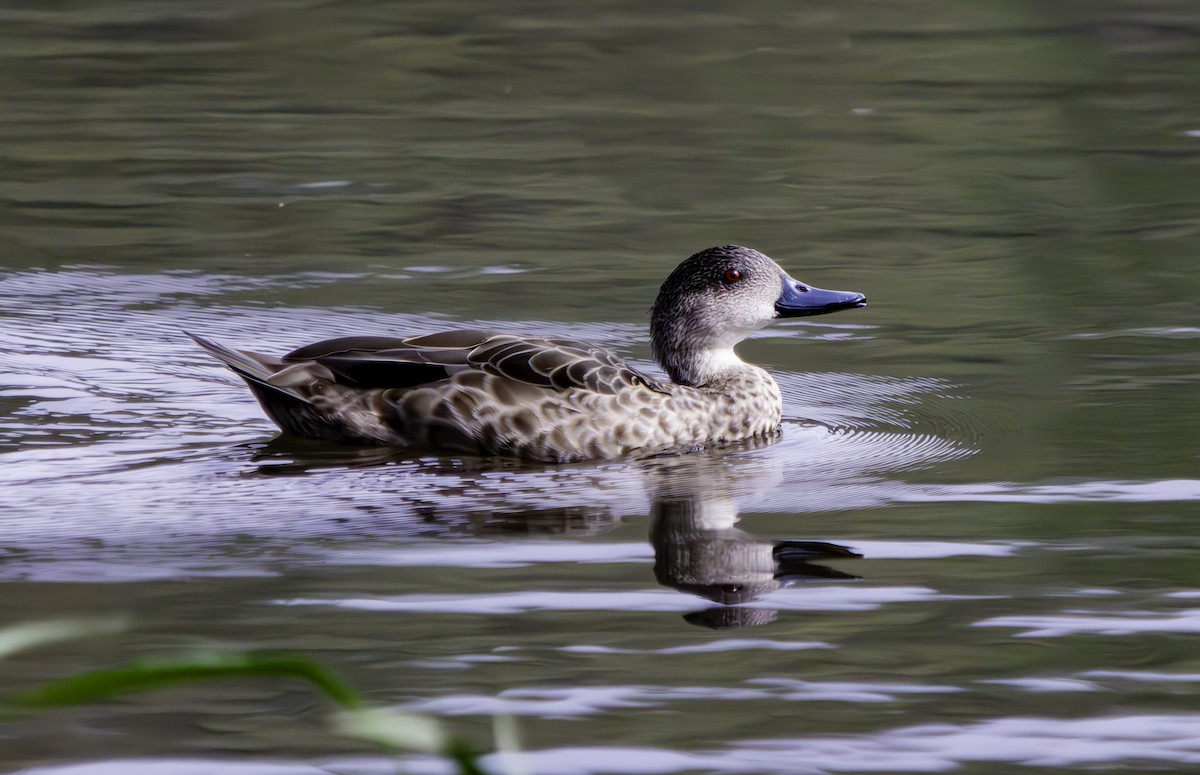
x=546 y=398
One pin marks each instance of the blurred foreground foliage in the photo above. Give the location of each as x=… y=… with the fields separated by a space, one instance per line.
x=389 y=729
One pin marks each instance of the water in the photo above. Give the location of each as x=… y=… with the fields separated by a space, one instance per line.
x=988 y=477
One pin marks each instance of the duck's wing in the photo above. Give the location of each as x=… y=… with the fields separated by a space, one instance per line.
x=553 y=364
x=559 y=364
x=392 y=362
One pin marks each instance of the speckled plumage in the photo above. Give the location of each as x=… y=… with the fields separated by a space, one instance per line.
x=550 y=399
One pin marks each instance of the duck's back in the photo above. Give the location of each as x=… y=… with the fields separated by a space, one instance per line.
x=468 y=391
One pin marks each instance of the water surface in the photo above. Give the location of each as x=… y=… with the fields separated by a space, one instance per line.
x=972 y=547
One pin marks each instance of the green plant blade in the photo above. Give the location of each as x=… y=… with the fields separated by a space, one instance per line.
x=147 y=675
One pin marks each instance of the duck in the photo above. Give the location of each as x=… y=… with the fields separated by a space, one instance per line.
x=550 y=399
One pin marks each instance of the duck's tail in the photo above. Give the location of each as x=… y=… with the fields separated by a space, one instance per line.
x=252 y=367
x=291 y=411
x=249 y=366
x=283 y=391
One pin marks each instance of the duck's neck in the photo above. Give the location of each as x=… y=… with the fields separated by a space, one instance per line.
x=694 y=364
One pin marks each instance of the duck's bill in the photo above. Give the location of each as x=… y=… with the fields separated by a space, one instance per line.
x=800 y=300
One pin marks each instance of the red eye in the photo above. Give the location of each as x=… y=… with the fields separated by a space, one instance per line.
x=732 y=276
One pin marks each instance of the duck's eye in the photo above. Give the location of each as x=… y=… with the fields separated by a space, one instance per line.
x=731 y=276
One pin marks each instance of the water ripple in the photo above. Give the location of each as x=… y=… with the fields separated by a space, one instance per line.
x=1037 y=685
x=823 y=598
x=710 y=647
x=1101 y=741
x=1084 y=623
x=556 y=703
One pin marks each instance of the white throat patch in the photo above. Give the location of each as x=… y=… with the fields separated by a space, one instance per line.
x=713 y=362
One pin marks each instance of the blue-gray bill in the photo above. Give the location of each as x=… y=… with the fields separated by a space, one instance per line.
x=800 y=300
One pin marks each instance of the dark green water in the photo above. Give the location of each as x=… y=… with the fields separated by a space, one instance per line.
x=1009 y=434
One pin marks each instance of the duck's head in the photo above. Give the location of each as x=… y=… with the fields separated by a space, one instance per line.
x=717 y=298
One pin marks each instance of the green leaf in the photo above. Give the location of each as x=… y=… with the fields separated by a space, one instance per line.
x=157 y=674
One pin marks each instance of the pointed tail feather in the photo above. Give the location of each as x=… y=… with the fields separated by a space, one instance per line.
x=240 y=362
x=292 y=412
x=278 y=401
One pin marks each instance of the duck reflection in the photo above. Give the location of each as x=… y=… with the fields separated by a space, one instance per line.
x=481 y=496
x=699 y=550
x=694 y=507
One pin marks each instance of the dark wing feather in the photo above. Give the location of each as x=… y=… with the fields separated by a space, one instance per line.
x=370 y=371
x=345 y=344
x=551 y=364
x=455 y=340
x=391 y=362
x=446 y=340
